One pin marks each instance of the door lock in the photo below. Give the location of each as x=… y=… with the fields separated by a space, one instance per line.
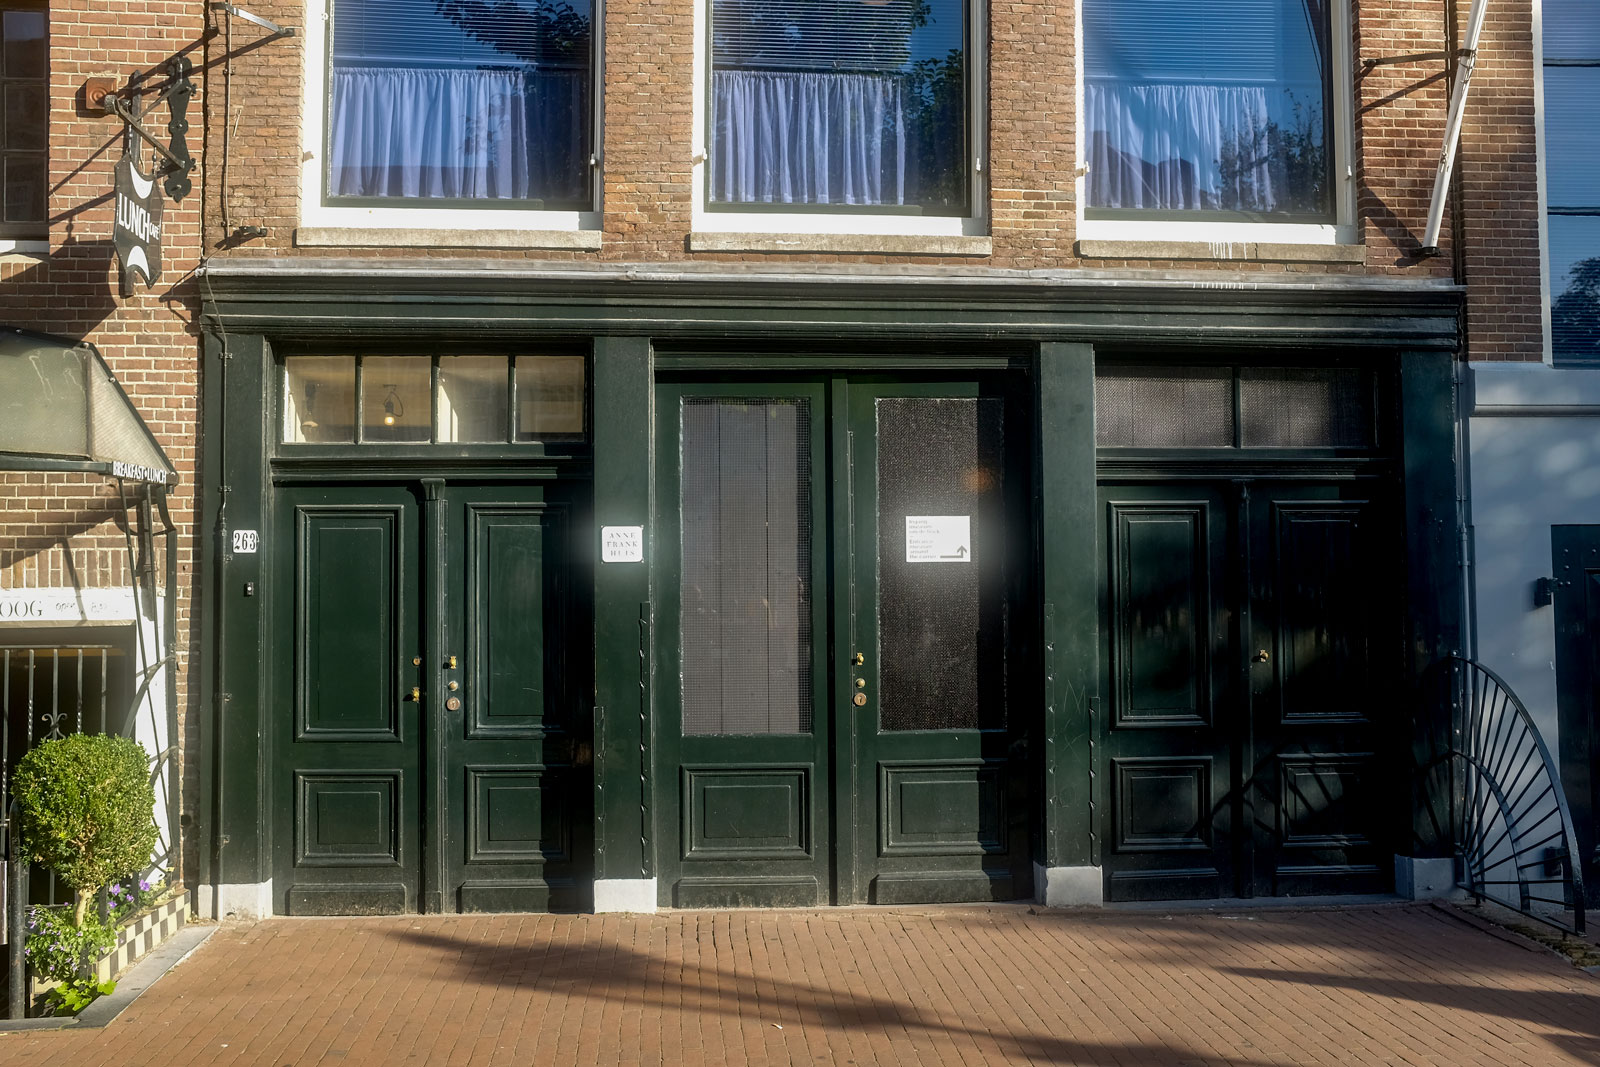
x=1262 y=655
x=861 y=700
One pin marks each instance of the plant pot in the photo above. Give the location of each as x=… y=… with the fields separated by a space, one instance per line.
x=136 y=937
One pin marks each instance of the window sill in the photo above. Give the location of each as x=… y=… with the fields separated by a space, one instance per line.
x=401 y=237
x=19 y=248
x=1257 y=251
x=864 y=244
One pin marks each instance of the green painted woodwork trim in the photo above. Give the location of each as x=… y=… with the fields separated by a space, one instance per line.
x=1069 y=580
x=1428 y=411
x=315 y=299
x=623 y=496
x=202 y=834
x=242 y=795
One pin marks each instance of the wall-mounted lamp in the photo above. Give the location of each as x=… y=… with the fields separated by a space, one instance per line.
x=393 y=409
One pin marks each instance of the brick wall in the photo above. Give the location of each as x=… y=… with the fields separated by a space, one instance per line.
x=1030 y=162
x=1499 y=191
x=58 y=529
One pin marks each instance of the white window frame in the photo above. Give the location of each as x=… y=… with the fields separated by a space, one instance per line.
x=822 y=221
x=315 y=212
x=1343 y=230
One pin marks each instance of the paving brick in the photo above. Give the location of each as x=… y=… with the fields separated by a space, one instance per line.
x=1401 y=984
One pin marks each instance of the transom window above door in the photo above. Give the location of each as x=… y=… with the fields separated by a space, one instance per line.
x=466 y=399
x=840 y=105
x=460 y=103
x=1218 y=111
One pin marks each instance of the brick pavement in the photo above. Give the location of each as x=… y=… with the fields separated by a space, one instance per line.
x=1402 y=984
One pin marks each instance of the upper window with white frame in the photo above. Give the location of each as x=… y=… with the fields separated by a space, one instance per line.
x=857 y=106
x=1572 y=177
x=24 y=118
x=459 y=104
x=1209 y=112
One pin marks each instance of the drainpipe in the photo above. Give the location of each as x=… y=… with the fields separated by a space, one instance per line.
x=1469 y=630
x=1466 y=60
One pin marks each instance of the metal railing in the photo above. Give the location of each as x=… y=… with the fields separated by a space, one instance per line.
x=1508 y=816
x=45 y=693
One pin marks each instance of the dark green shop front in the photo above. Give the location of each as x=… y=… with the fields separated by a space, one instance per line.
x=746 y=589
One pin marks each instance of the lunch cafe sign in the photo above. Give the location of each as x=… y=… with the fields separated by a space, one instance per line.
x=137 y=230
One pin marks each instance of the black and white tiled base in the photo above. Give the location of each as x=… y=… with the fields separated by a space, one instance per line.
x=139 y=937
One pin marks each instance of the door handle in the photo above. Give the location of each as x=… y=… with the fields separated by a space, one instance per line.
x=416 y=694
x=1262 y=655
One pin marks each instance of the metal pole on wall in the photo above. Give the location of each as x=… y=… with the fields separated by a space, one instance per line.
x=17 y=898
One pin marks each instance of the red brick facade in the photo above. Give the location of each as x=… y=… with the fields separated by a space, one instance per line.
x=247 y=132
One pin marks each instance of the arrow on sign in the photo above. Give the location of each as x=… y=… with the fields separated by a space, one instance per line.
x=960 y=553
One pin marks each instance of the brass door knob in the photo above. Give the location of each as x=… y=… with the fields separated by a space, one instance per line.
x=450 y=662
x=1262 y=655
x=858 y=659
x=453 y=686
x=416 y=694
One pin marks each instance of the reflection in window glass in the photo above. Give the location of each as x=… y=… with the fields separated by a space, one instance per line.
x=550 y=394
x=1575 y=287
x=395 y=395
x=1571 y=84
x=24 y=116
x=461 y=100
x=1219 y=107
x=319 y=400
x=474 y=398
x=840 y=102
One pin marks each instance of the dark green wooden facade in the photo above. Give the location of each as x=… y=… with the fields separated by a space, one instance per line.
x=381 y=563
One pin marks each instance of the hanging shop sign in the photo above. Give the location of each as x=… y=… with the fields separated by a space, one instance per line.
x=137 y=228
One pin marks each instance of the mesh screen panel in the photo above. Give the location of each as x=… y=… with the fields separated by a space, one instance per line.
x=1280 y=407
x=746 y=579
x=941 y=624
x=1164 y=407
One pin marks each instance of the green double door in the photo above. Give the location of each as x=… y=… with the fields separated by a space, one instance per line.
x=429 y=738
x=840 y=564
x=1254 y=703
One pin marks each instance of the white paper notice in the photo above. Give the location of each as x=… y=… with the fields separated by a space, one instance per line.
x=621 y=544
x=938 y=538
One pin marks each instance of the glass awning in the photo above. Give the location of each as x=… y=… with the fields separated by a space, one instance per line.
x=61 y=408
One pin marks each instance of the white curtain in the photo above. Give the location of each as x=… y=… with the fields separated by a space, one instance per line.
x=1183 y=147
x=465 y=134
x=801 y=138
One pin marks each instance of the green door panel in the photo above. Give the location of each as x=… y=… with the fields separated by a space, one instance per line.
x=1252 y=668
x=1170 y=812
x=1325 y=695
x=935 y=504
x=795 y=783
x=347 y=835
x=744 y=746
x=1575 y=551
x=517 y=795
x=432 y=739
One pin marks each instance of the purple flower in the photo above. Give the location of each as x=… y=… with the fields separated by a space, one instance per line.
x=144 y=885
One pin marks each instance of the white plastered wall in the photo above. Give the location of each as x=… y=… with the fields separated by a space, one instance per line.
x=1534 y=455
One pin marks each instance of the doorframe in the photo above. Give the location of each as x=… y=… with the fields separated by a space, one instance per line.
x=1575 y=549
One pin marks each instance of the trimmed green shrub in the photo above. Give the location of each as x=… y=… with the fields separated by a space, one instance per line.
x=87 y=810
